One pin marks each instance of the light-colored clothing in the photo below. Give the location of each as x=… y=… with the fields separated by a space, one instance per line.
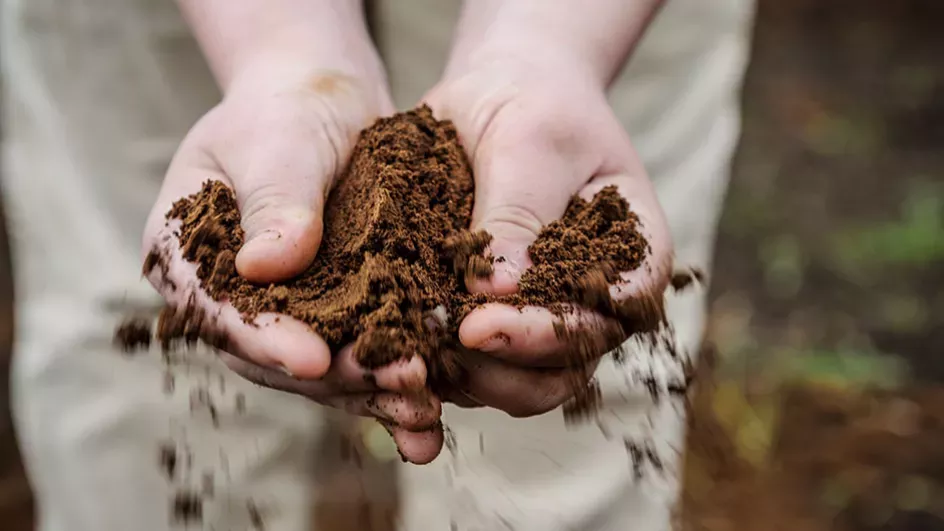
x=97 y=95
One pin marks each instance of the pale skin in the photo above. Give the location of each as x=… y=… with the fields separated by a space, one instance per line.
x=525 y=87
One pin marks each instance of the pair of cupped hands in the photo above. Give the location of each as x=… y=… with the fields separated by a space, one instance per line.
x=535 y=136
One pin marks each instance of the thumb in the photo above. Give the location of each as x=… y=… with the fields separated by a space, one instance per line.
x=281 y=197
x=517 y=193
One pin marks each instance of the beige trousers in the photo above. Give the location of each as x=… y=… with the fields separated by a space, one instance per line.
x=97 y=95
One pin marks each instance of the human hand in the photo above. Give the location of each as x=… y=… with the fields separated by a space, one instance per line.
x=537 y=133
x=278 y=139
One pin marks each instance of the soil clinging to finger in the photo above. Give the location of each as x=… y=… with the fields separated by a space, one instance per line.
x=396 y=250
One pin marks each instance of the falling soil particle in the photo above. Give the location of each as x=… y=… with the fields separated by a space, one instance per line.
x=240 y=404
x=397 y=253
x=186 y=325
x=255 y=516
x=133 y=334
x=681 y=280
x=187 y=508
x=200 y=399
x=641 y=454
x=168 y=459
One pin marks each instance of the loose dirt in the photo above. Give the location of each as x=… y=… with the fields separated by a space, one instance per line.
x=390 y=275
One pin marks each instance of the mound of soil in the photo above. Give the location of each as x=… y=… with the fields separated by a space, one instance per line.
x=396 y=254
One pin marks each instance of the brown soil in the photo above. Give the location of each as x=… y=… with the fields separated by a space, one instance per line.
x=133 y=334
x=841 y=459
x=397 y=251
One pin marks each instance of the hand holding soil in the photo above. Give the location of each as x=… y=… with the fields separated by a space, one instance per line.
x=536 y=139
x=278 y=140
x=413 y=305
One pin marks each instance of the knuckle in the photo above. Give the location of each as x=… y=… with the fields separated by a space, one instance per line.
x=380 y=405
x=514 y=219
x=263 y=199
x=416 y=416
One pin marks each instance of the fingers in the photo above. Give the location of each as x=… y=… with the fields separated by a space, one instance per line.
x=519 y=391
x=344 y=376
x=535 y=337
x=283 y=177
x=415 y=412
x=527 y=166
x=413 y=420
x=280 y=161
x=401 y=376
x=520 y=188
x=270 y=341
x=417 y=447
x=277 y=342
x=408 y=412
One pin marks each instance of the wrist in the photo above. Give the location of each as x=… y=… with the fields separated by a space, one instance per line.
x=288 y=59
x=273 y=72
x=530 y=56
x=283 y=38
x=561 y=35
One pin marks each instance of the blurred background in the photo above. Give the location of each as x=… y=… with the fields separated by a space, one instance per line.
x=821 y=403
x=825 y=408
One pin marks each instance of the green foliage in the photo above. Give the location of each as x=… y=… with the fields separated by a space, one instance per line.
x=915 y=240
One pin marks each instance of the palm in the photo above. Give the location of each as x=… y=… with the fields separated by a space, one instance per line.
x=279 y=148
x=534 y=141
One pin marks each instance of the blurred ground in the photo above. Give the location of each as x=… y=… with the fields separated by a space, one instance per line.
x=824 y=408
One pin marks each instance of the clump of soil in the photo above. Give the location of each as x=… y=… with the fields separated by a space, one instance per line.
x=397 y=253
x=133 y=334
x=188 y=508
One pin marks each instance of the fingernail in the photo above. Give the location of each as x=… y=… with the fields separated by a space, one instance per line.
x=499 y=341
x=282 y=368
